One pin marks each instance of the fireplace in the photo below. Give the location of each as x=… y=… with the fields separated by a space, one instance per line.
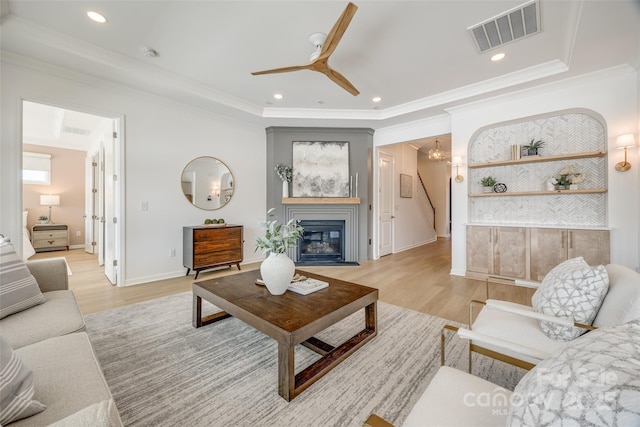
x=346 y=215
x=321 y=242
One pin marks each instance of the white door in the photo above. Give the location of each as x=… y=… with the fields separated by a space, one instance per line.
x=100 y=206
x=385 y=200
x=110 y=206
x=90 y=200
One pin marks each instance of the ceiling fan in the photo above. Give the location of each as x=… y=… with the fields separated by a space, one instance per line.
x=325 y=45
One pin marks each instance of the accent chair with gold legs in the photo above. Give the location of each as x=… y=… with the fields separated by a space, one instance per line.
x=593 y=380
x=523 y=336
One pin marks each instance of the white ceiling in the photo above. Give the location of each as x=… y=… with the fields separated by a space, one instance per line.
x=417 y=55
x=58 y=127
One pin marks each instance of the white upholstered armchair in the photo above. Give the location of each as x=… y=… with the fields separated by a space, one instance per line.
x=512 y=332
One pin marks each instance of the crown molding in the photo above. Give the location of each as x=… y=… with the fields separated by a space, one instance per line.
x=149 y=78
x=140 y=75
x=580 y=80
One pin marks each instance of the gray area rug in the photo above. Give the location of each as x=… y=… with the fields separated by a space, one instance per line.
x=164 y=372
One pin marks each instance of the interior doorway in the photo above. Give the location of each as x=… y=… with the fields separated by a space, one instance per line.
x=84 y=153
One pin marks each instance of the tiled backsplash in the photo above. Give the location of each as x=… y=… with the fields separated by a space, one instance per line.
x=562 y=133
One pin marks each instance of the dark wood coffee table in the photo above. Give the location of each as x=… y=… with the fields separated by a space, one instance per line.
x=291 y=319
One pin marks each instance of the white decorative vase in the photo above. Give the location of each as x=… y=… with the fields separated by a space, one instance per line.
x=285 y=189
x=277 y=271
x=487 y=189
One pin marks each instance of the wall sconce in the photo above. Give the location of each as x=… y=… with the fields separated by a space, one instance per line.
x=622 y=143
x=457 y=162
x=50 y=200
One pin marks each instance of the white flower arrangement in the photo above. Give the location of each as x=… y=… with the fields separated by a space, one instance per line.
x=284 y=172
x=278 y=238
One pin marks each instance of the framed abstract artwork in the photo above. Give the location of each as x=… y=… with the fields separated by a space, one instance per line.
x=406 y=185
x=320 y=169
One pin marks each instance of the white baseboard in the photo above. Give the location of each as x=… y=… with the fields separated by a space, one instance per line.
x=415 y=245
x=457 y=272
x=180 y=273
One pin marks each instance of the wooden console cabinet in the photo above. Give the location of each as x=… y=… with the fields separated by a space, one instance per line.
x=206 y=247
x=530 y=253
x=50 y=237
x=497 y=251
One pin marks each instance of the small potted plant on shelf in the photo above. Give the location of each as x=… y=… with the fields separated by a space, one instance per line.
x=43 y=219
x=562 y=182
x=533 y=146
x=487 y=184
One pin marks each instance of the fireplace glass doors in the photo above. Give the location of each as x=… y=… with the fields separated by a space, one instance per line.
x=321 y=242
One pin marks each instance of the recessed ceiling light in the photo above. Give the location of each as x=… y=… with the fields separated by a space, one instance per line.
x=278 y=96
x=376 y=99
x=498 y=57
x=95 y=16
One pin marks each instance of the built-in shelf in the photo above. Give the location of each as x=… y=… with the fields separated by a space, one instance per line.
x=321 y=200
x=538 y=193
x=537 y=159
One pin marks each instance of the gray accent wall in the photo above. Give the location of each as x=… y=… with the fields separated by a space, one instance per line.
x=279 y=150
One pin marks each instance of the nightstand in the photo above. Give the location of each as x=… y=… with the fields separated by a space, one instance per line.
x=50 y=237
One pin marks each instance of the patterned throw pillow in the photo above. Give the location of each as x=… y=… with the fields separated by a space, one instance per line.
x=592 y=381
x=16 y=387
x=572 y=289
x=18 y=288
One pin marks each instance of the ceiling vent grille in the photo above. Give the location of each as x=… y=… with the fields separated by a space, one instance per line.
x=76 y=131
x=507 y=27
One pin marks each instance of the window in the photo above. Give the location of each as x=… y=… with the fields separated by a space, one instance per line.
x=36 y=168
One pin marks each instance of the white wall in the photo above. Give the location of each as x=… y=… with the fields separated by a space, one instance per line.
x=161 y=137
x=612 y=94
x=412 y=225
x=436 y=177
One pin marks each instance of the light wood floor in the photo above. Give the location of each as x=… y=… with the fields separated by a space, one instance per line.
x=417 y=279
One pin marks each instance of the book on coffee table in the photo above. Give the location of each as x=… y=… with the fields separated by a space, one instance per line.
x=307 y=286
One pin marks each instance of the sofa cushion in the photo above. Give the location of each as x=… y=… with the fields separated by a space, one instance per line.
x=16 y=387
x=18 y=288
x=484 y=403
x=59 y=315
x=67 y=377
x=593 y=380
x=102 y=414
x=572 y=289
x=622 y=303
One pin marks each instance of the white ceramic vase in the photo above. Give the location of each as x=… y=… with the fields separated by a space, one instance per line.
x=285 y=189
x=277 y=271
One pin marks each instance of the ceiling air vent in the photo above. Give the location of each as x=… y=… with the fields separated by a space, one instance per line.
x=76 y=131
x=507 y=27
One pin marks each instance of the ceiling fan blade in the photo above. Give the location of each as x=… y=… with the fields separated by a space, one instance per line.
x=341 y=81
x=336 y=33
x=282 y=69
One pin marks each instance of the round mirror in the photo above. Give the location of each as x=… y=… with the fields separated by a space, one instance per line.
x=207 y=183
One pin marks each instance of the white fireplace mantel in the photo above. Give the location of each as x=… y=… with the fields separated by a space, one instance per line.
x=321 y=200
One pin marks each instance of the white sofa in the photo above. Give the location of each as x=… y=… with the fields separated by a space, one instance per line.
x=50 y=340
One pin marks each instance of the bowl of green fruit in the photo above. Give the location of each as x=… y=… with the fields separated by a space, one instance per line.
x=215 y=222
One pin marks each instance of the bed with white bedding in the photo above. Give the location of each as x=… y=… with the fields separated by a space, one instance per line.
x=27 y=247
